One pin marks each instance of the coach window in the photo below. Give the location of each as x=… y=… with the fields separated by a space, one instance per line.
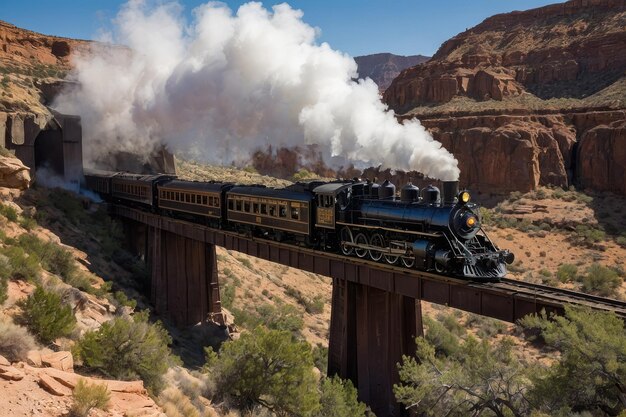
x=255 y=208
x=238 y=205
x=205 y=200
x=263 y=208
x=272 y=210
x=295 y=213
x=246 y=206
x=282 y=211
x=216 y=201
x=231 y=205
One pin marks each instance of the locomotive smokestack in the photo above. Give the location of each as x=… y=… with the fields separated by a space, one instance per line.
x=450 y=192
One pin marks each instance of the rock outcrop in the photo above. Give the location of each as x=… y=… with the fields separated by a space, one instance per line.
x=13 y=173
x=384 y=67
x=24 y=47
x=572 y=49
x=529 y=98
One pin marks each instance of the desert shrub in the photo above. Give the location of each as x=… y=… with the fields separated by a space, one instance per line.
x=246 y=262
x=444 y=341
x=621 y=240
x=175 y=403
x=89 y=396
x=588 y=234
x=122 y=300
x=20 y=264
x=9 y=212
x=515 y=195
x=339 y=399
x=545 y=272
x=52 y=257
x=320 y=357
x=451 y=323
x=302 y=174
x=486 y=327
x=268 y=368
x=589 y=373
x=566 y=272
x=280 y=317
x=15 y=341
x=601 y=280
x=27 y=223
x=47 y=316
x=127 y=349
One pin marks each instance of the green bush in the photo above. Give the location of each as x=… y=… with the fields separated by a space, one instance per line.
x=122 y=299
x=566 y=272
x=128 y=349
x=47 y=316
x=89 y=396
x=601 y=280
x=268 y=368
x=9 y=212
x=15 y=341
x=52 y=257
x=339 y=399
x=27 y=223
x=320 y=357
x=20 y=264
x=443 y=340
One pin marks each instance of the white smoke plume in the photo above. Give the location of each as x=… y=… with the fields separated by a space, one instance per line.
x=227 y=84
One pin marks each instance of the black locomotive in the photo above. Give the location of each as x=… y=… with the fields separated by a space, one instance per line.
x=356 y=218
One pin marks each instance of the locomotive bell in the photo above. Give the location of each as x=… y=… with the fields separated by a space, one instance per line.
x=387 y=191
x=409 y=193
x=431 y=195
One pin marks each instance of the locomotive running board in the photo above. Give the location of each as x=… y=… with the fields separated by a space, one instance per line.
x=388 y=251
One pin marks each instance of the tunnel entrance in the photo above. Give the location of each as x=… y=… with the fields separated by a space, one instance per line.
x=49 y=153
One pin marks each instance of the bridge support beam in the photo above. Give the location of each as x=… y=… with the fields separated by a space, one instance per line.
x=370 y=330
x=184 y=283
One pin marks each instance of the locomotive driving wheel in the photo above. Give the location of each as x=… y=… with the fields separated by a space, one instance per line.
x=378 y=241
x=345 y=236
x=408 y=261
x=360 y=239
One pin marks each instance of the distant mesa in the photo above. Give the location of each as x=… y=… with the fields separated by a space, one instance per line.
x=567 y=50
x=384 y=67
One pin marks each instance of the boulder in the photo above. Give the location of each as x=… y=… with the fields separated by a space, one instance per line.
x=13 y=173
x=4 y=361
x=53 y=386
x=11 y=373
x=59 y=360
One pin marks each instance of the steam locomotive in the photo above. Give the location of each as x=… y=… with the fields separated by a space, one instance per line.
x=422 y=230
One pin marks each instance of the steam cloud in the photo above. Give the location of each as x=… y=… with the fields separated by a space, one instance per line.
x=229 y=84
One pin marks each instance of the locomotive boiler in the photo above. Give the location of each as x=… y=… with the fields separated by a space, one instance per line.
x=426 y=230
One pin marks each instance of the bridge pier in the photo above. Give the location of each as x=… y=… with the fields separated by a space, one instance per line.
x=184 y=281
x=370 y=330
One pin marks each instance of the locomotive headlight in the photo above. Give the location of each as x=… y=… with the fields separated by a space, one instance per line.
x=471 y=221
x=464 y=197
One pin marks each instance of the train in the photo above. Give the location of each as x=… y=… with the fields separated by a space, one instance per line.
x=426 y=229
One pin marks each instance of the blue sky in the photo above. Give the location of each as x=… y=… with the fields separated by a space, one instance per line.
x=358 y=27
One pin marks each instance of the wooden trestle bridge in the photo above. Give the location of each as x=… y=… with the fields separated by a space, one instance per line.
x=376 y=311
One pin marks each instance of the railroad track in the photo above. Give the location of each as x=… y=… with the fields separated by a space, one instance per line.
x=563 y=295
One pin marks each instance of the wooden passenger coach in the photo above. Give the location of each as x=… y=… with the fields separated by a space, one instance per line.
x=283 y=210
x=200 y=198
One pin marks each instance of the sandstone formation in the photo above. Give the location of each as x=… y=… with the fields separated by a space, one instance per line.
x=20 y=46
x=529 y=98
x=13 y=173
x=47 y=391
x=572 y=49
x=383 y=68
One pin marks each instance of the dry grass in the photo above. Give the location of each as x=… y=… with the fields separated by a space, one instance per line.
x=194 y=171
x=15 y=341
